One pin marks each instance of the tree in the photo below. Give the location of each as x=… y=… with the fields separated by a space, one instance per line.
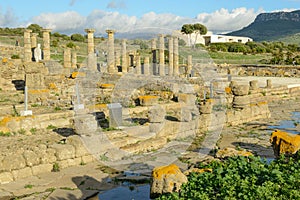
x=199 y=29
x=188 y=29
x=35 y=28
x=77 y=37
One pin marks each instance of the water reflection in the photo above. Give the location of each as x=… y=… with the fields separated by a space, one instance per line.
x=291 y=126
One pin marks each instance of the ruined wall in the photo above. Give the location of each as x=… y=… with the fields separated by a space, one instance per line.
x=260 y=70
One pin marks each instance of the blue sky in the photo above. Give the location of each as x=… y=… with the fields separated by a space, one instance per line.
x=69 y=16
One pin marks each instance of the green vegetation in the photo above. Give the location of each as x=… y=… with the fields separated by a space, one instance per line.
x=6 y=134
x=28 y=186
x=51 y=127
x=56 y=167
x=243 y=178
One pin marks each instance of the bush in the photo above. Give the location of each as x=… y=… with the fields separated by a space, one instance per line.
x=77 y=37
x=244 y=178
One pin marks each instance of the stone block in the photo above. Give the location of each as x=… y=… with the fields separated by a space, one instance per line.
x=80 y=149
x=240 y=90
x=156 y=114
x=166 y=179
x=48 y=156
x=284 y=143
x=63 y=164
x=31 y=158
x=148 y=100
x=6 y=177
x=74 y=162
x=189 y=99
x=22 y=173
x=13 y=161
x=87 y=158
x=241 y=101
x=63 y=151
x=43 y=168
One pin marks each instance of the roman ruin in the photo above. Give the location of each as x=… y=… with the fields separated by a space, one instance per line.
x=121 y=102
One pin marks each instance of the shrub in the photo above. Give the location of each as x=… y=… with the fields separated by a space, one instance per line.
x=244 y=178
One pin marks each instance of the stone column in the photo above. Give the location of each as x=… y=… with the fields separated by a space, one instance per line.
x=171 y=49
x=176 y=57
x=74 y=59
x=34 y=40
x=92 y=60
x=124 y=57
x=154 y=59
x=90 y=40
x=138 y=67
x=67 y=57
x=146 y=66
x=189 y=65
x=161 y=55
x=111 y=52
x=46 y=46
x=27 y=46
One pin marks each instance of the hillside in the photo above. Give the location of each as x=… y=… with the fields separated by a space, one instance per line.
x=272 y=26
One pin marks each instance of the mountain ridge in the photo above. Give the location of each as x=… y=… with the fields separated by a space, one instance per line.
x=271 y=26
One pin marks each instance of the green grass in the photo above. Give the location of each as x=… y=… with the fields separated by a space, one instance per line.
x=237 y=58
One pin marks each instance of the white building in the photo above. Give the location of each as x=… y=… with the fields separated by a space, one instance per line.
x=209 y=38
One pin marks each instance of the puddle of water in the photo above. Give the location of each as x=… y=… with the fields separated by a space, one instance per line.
x=132 y=192
x=289 y=125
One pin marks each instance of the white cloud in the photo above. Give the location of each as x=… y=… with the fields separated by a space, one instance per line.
x=224 y=20
x=66 y=22
x=7 y=18
x=70 y=22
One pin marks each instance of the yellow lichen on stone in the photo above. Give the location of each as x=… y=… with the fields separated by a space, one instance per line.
x=106 y=85
x=4 y=60
x=228 y=90
x=148 y=100
x=77 y=74
x=159 y=172
x=52 y=86
x=38 y=91
x=285 y=143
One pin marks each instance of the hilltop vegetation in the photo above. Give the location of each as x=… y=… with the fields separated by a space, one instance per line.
x=272 y=26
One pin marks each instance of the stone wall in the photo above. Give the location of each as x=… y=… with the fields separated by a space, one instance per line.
x=42 y=158
x=260 y=70
x=8 y=51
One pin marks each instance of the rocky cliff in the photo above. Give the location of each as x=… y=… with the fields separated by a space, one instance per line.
x=271 y=26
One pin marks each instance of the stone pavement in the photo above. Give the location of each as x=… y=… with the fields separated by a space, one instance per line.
x=73 y=183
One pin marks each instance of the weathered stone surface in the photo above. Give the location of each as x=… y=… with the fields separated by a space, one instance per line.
x=64 y=151
x=156 y=114
x=22 y=173
x=240 y=101
x=189 y=99
x=39 y=169
x=48 y=156
x=6 y=177
x=31 y=158
x=240 y=90
x=229 y=152
x=166 y=179
x=148 y=100
x=284 y=143
x=80 y=149
x=13 y=161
